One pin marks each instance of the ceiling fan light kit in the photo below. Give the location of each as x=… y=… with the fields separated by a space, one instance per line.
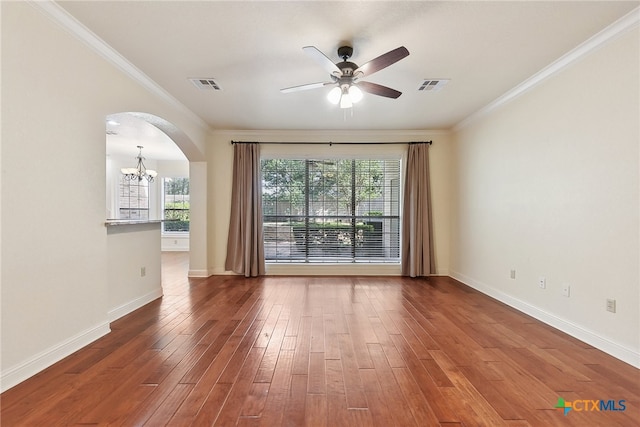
x=346 y=95
x=345 y=76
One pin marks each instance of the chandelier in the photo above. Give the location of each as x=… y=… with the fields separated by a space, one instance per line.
x=140 y=171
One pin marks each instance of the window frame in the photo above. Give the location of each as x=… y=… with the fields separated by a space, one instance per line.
x=162 y=191
x=353 y=217
x=124 y=185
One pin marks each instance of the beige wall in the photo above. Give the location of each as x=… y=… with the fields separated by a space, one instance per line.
x=131 y=248
x=56 y=93
x=220 y=161
x=548 y=185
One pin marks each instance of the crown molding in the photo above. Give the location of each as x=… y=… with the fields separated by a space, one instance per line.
x=319 y=135
x=65 y=20
x=613 y=31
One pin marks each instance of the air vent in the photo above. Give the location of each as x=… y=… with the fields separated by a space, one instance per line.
x=433 y=85
x=206 y=84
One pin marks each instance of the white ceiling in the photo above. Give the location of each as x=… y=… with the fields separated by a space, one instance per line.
x=125 y=132
x=254 y=48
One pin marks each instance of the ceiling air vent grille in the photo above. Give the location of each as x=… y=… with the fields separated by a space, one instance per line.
x=433 y=85
x=205 y=84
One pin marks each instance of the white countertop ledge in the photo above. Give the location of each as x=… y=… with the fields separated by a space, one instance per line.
x=112 y=222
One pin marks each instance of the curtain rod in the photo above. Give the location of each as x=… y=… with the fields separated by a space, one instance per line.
x=331 y=143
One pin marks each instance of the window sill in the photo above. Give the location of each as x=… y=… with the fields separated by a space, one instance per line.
x=183 y=234
x=112 y=222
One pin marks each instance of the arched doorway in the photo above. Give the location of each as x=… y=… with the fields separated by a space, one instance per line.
x=170 y=152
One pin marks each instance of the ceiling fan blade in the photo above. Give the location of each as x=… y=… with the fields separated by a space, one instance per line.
x=380 y=90
x=383 y=61
x=322 y=59
x=305 y=87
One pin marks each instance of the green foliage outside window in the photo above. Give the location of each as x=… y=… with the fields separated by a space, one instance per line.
x=328 y=181
x=176 y=204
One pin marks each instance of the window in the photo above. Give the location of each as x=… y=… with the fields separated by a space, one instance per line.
x=176 y=205
x=331 y=210
x=133 y=199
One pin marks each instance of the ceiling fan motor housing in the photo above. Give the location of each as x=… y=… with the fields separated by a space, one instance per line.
x=347 y=68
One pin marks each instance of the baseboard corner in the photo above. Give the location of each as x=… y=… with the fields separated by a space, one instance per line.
x=19 y=373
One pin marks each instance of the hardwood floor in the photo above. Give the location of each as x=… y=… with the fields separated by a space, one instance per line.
x=326 y=351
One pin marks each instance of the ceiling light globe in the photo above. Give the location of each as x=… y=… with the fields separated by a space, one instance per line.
x=334 y=95
x=355 y=93
x=345 y=101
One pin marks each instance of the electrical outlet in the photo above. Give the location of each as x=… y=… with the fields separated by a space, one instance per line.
x=611 y=305
x=512 y=274
x=566 y=290
x=143 y=271
x=542 y=282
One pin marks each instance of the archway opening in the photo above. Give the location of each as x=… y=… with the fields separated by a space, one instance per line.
x=166 y=150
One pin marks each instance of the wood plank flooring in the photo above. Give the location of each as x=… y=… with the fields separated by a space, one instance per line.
x=326 y=351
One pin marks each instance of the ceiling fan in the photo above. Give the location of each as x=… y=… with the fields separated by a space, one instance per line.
x=346 y=76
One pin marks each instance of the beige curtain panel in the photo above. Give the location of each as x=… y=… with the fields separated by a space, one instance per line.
x=417 y=240
x=245 y=247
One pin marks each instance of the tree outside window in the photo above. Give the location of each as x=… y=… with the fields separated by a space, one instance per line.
x=176 y=204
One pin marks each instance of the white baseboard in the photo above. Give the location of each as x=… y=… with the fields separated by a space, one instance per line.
x=133 y=305
x=15 y=375
x=201 y=273
x=337 y=269
x=614 y=349
x=173 y=249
